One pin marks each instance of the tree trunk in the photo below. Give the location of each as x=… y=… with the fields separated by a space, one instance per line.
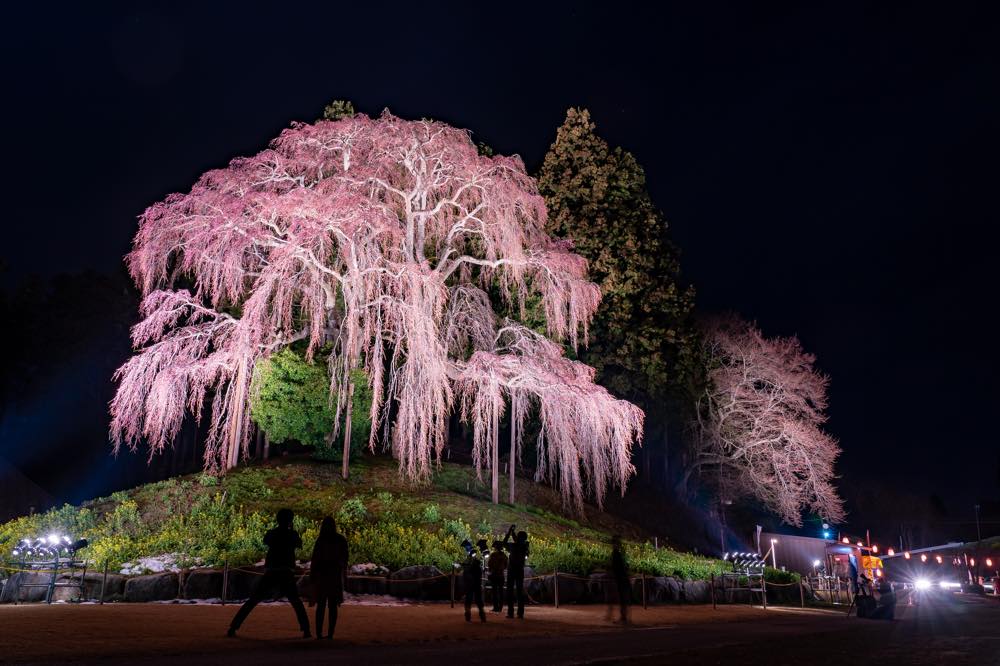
x=237 y=402
x=496 y=458
x=346 y=462
x=513 y=451
x=666 y=454
x=259 y=448
x=267 y=446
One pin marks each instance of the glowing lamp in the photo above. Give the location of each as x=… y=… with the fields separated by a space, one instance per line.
x=989 y=562
x=860 y=544
x=878 y=573
x=922 y=584
x=890 y=552
x=923 y=557
x=939 y=560
x=846 y=540
x=906 y=555
x=875 y=548
x=972 y=562
x=815 y=563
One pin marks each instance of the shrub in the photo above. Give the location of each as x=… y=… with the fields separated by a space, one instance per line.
x=351 y=512
x=432 y=513
x=457 y=529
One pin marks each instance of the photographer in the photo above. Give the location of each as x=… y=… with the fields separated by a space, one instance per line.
x=472 y=579
x=515 y=570
x=279 y=573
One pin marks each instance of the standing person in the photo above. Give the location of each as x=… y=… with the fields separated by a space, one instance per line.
x=515 y=570
x=472 y=580
x=279 y=573
x=496 y=563
x=619 y=576
x=329 y=564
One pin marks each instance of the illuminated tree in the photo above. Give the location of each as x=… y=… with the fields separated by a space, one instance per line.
x=760 y=423
x=378 y=237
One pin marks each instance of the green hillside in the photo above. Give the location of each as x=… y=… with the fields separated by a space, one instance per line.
x=205 y=520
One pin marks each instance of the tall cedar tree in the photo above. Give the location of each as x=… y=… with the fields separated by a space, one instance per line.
x=644 y=344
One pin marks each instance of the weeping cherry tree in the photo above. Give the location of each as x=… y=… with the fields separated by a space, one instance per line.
x=383 y=238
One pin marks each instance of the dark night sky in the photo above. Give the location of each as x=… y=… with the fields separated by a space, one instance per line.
x=827 y=172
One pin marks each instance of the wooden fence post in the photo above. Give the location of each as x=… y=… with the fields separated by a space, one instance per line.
x=555 y=587
x=763 y=591
x=104 y=582
x=644 y=606
x=802 y=595
x=225 y=581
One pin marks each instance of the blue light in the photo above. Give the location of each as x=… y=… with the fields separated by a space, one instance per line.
x=826 y=535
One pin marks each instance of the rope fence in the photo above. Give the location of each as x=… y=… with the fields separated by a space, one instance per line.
x=726 y=590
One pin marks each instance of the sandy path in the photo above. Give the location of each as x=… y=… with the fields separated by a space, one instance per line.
x=63 y=631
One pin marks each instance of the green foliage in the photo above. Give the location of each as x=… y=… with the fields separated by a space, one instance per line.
x=643 y=343
x=337 y=109
x=780 y=577
x=291 y=401
x=432 y=513
x=457 y=530
x=352 y=512
x=212 y=524
x=291 y=398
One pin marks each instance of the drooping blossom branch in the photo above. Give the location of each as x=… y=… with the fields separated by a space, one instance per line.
x=380 y=237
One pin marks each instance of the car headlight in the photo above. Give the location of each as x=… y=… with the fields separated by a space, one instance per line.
x=922 y=584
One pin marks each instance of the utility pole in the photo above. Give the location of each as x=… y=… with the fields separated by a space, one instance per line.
x=979 y=535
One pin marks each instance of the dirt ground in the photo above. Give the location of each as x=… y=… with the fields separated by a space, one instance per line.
x=65 y=631
x=195 y=634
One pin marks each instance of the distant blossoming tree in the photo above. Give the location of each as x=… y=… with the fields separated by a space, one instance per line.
x=760 y=423
x=381 y=237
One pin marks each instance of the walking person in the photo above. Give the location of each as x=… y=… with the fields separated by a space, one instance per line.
x=472 y=580
x=515 y=570
x=622 y=592
x=326 y=572
x=496 y=564
x=279 y=573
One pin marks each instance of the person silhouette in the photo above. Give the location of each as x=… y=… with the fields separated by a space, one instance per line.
x=622 y=589
x=496 y=563
x=326 y=572
x=472 y=580
x=279 y=573
x=515 y=570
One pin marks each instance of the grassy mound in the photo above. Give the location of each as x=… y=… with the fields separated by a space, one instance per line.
x=205 y=520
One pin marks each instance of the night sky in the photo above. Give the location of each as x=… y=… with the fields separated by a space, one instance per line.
x=830 y=173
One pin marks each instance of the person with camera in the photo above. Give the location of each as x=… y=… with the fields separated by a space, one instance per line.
x=515 y=570
x=279 y=573
x=472 y=580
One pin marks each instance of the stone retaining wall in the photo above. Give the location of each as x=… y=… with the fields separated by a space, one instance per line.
x=426 y=583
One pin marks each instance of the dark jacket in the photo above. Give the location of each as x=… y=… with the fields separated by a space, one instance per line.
x=497 y=563
x=281 y=544
x=518 y=555
x=472 y=569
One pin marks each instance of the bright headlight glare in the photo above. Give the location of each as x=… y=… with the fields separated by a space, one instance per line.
x=922 y=584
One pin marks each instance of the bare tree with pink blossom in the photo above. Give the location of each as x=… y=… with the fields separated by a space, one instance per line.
x=383 y=238
x=760 y=423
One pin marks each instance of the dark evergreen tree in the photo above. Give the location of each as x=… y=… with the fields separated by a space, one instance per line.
x=642 y=342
